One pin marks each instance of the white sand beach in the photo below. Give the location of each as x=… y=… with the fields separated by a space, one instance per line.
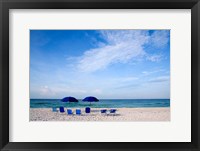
x=122 y=114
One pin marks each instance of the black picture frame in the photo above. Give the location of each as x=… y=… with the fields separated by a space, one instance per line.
x=5 y=5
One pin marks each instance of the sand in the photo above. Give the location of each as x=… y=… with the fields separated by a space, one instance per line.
x=122 y=114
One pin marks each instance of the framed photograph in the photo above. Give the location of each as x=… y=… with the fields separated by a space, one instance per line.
x=99 y=75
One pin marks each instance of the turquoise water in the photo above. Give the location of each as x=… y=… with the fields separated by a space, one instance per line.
x=103 y=103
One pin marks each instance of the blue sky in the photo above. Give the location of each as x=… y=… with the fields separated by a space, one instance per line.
x=118 y=64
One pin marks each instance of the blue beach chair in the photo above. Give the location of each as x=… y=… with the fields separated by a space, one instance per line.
x=54 y=109
x=62 y=110
x=113 y=111
x=87 y=110
x=78 y=111
x=103 y=111
x=69 y=112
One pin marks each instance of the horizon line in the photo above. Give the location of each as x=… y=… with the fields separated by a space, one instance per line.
x=105 y=99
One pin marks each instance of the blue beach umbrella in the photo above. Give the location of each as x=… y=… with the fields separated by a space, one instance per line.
x=69 y=99
x=90 y=99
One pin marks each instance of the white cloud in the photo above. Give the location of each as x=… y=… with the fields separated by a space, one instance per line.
x=118 y=36
x=152 y=72
x=122 y=46
x=160 y=79
x=160 y=38
x=155 y=58
x=56 y=92
x=45 y=90
x=126 y=79
x=100 y=58
x=69 y=90
x=97 y=91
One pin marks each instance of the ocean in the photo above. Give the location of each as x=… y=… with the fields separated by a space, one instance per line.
x=103 y=103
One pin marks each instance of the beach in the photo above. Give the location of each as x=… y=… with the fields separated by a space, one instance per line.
x=122 y=114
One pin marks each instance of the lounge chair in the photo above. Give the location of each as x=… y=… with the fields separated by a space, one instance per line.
x=104 y=111
x=113 y=111
x=69 y=112
x=54 y=109
x=87 y=110
x=78 y=111
x=62 y=110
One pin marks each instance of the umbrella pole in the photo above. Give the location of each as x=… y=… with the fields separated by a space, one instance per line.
x=90 y=103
